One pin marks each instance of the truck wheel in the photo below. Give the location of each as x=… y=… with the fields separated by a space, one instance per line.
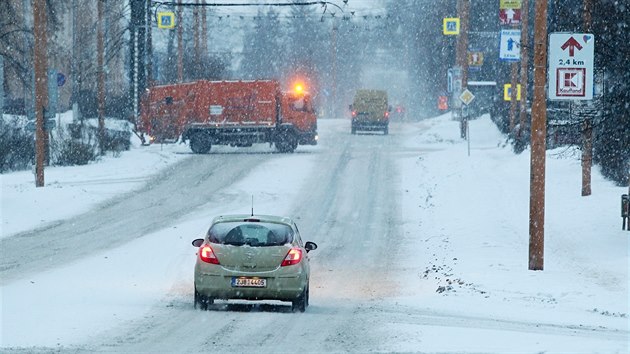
x=200 y=144
x=286 y=142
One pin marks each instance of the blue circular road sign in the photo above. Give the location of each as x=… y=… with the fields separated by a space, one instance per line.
x=61 y=79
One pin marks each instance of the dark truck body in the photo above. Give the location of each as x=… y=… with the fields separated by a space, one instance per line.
x=370 y=111
x=236 y=113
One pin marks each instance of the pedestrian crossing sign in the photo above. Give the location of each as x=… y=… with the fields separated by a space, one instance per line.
x=166 y=20
x=451 y=26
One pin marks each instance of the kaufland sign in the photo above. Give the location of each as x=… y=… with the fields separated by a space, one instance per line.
x=571 y=57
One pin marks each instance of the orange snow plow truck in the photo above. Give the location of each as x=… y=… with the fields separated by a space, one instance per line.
x=236 y=113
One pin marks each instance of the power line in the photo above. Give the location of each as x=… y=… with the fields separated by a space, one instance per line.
x=305 y=3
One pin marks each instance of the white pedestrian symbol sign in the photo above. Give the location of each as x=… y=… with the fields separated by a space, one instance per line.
x=510 y=45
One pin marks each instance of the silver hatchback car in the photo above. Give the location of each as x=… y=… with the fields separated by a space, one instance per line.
x=252 y=257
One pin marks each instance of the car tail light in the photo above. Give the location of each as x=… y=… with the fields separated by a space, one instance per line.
x=354 y=113
x=386 y=114
x=207 y=255
x=293 y=257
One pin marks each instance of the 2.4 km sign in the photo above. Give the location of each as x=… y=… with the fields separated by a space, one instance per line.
x=571 y=57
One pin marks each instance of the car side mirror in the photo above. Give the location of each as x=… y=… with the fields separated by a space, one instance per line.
x=198 y=242
x=350 y=107
x=389 y=109
x=310 y=246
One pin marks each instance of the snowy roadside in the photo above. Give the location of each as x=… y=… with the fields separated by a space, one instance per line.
x=72 y=190
x=467 y=217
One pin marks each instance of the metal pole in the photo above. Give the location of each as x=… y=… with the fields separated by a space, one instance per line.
x=514 y=92
x=101 y=77
x=539 y=135
x=587 y=127
x=73 y=70
x=41 y=86
x=468 y=137
x=180 y=44
x=135 y=76
x=513 y=96
x=464 y=34
x=73 y=62
x=204 y=30
x=196 y=39
x=149 y=22
x=1 y=86
x=334 y=69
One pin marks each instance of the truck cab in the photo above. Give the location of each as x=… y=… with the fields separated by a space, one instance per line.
x=298 y=112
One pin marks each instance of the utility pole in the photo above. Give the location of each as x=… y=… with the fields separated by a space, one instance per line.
x=180 y=44
x=101 y=76
x=204 y=31
x=587 y=125
x=196 y=38
x=41 y=86
x=524 y=68
x=149 y=22
x=463 y=11
x=539 y=135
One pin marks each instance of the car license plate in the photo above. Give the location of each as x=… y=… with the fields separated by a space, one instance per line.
x=245 y=282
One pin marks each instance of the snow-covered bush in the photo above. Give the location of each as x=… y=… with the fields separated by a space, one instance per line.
x=17 y=148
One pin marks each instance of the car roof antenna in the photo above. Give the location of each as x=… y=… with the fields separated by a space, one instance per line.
x=252 y=205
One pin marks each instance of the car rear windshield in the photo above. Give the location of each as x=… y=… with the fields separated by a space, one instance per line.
x=257 y=234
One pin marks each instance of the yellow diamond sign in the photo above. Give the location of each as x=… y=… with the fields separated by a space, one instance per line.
x=466 y=97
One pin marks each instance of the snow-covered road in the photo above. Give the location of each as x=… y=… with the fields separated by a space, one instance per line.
x=421 y=249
